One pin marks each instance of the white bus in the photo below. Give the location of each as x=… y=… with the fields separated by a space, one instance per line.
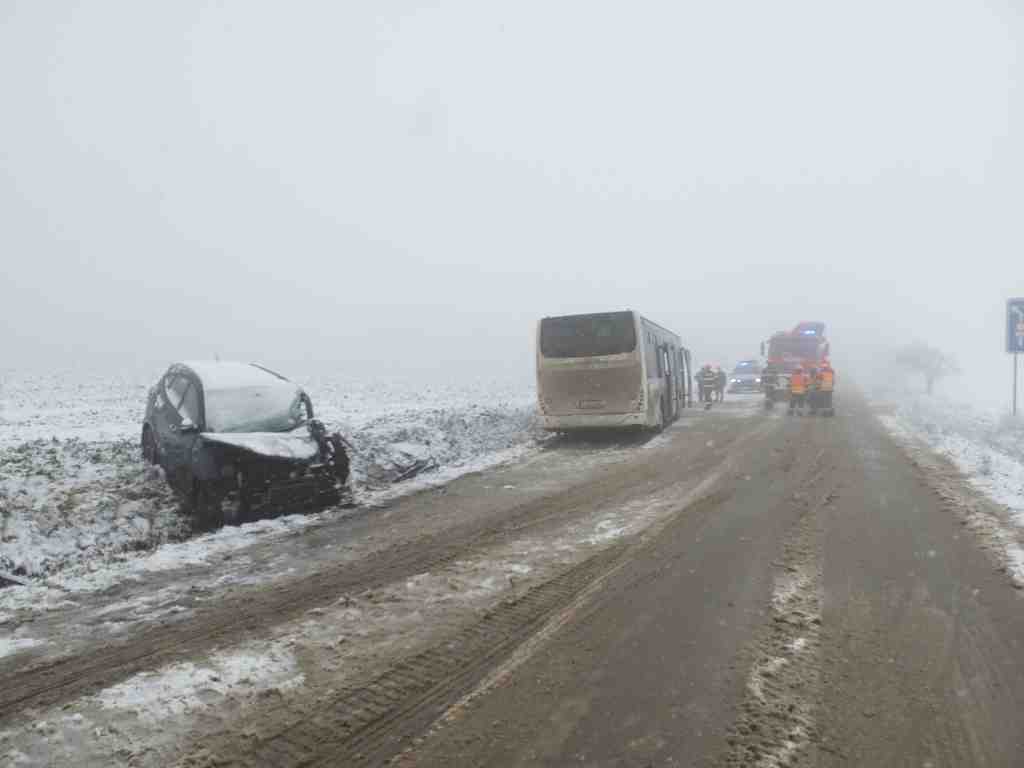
x=609 y=370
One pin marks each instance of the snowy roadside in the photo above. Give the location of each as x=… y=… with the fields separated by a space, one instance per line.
x=79 y=510
x=987 y=448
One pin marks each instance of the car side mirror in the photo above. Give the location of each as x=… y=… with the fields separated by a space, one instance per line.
x=187 y=427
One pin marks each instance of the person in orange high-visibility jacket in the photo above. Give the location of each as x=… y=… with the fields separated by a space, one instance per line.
x=811 y=377
x=826 y=386
x=797 y=390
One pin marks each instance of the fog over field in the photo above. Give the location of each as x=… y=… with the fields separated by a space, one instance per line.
x=398 y=189
x=424 y=543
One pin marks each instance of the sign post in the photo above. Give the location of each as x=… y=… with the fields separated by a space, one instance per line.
x=1015 y=337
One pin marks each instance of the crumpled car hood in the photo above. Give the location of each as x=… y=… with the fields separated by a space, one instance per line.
x=297 y=445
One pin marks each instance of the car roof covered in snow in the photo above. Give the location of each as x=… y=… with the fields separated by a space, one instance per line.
x=221 y=375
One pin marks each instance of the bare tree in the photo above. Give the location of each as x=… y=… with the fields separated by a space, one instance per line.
x=928 y=361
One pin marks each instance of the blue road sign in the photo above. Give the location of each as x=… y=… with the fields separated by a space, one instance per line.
x=1015 y=325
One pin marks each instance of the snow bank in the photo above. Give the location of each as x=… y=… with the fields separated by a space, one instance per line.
x=388 y=447
x=987 y=447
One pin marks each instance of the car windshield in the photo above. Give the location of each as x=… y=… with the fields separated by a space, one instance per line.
x=747 y=366
x=270 y=408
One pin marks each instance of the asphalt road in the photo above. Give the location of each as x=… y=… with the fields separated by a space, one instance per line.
x=747 y=588
x=828 y=608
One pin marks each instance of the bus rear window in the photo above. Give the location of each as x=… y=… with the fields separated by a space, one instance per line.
x=609 y=333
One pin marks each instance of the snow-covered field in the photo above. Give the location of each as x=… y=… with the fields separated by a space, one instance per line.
x=985 y=444
x=75 y=494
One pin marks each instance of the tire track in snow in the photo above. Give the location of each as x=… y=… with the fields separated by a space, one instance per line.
x=776 y=722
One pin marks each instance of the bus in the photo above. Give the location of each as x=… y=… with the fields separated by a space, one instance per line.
x=610 y=370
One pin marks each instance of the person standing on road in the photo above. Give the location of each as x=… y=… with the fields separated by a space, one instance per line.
x=812 y=390
x=797 y=390
x=720 y=381
x=706 y=380
x=826 y=384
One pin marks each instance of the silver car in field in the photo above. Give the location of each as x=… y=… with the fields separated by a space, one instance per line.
x=237 y=439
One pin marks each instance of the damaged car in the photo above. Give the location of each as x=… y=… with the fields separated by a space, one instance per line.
x=239 y=441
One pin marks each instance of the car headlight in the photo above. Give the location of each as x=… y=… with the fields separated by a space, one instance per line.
x=757 y=381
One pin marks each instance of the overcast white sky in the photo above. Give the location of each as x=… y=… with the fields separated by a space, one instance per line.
x=351 y=182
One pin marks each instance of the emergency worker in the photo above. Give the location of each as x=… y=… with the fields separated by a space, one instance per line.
x=813 y=402
x=797 y=390
x=707 y=381
x=826 y=385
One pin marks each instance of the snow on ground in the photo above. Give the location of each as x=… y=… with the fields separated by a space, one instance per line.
x=69 y=502
x=139 y=721
x=184 y=687
x=12 y=644
x=75 y=496
x=987 y=446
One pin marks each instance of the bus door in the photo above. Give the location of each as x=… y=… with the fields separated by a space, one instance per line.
x=686 y=376
x=668 y=390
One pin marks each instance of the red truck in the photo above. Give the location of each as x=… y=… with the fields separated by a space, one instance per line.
x=805 y=346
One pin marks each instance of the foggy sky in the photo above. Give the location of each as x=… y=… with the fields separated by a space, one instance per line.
x=412 y=186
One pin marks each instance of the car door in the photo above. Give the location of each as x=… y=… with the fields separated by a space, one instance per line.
x=177 y=427
x=163 y=414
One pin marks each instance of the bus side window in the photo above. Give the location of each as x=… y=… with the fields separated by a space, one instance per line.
x=651 y=354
